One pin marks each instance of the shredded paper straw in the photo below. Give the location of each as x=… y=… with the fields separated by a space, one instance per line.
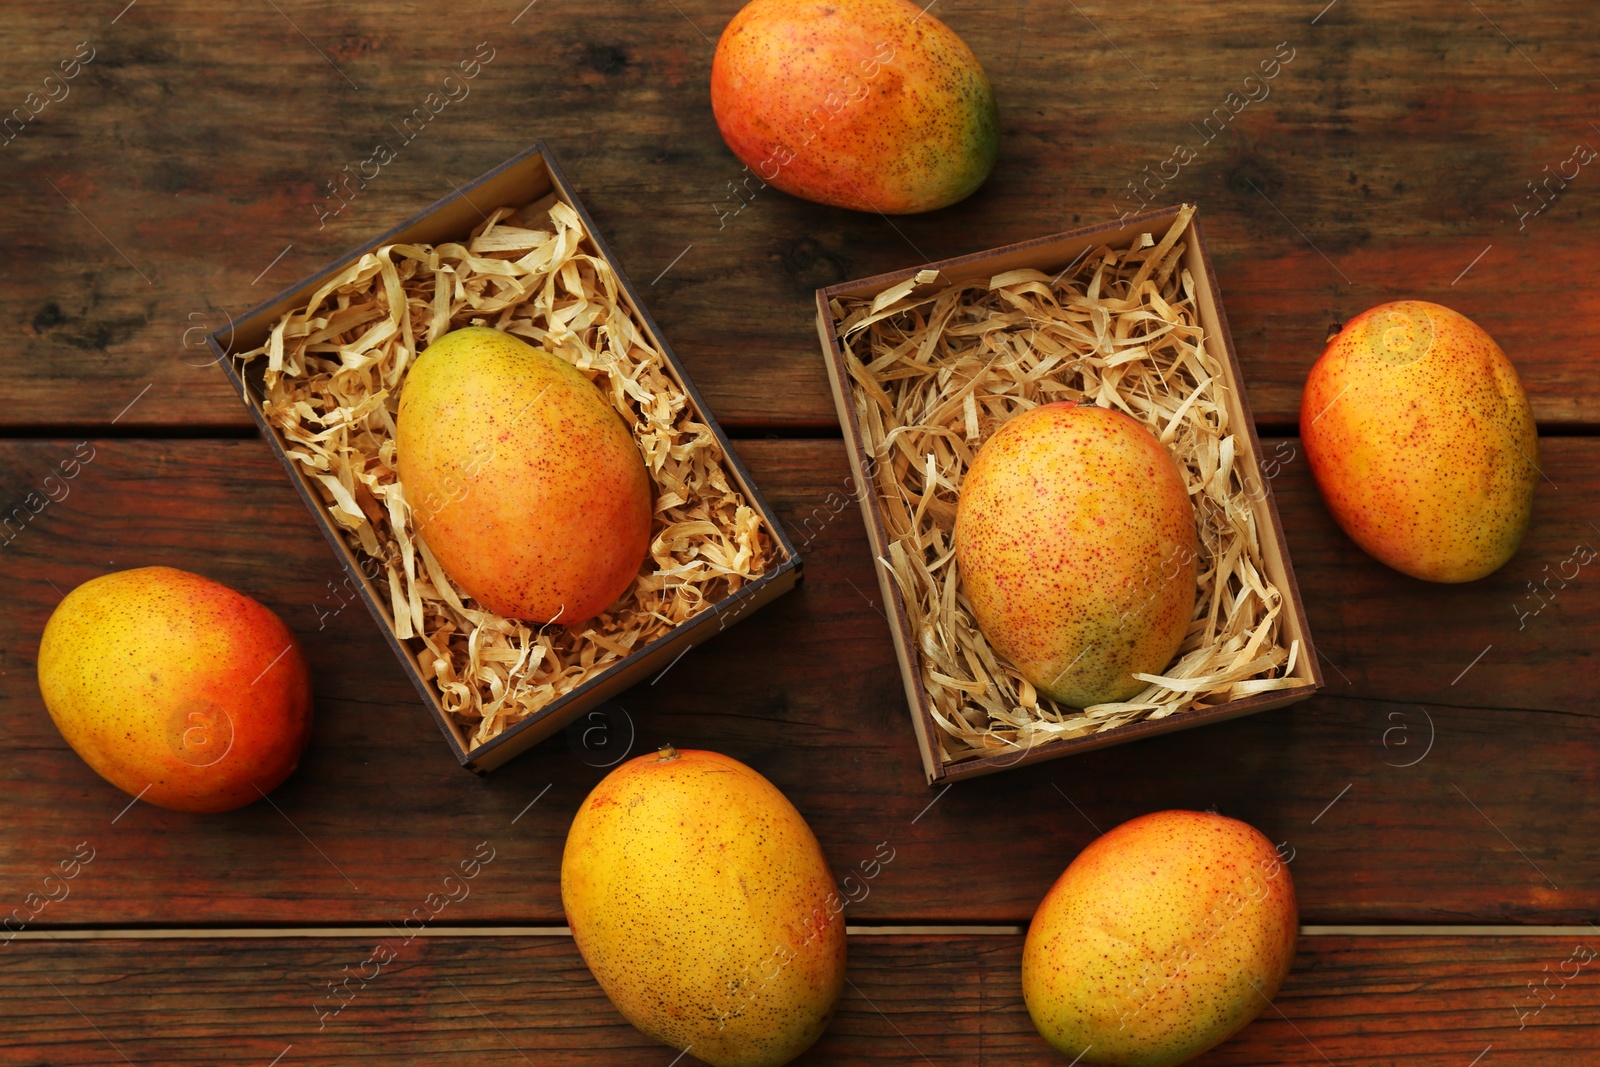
x=936 y=369
x=333 y=375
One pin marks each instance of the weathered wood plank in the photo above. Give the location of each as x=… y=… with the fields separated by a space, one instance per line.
x=1368 y=1001
x=186 y=175
x=1489 y=824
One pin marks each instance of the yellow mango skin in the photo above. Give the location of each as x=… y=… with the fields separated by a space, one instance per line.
x=1163 y=938
x=523 y=480
x=1422 y=442
x=161 y=678
x=871 y=105
x=1076 y=543
x=701 y=901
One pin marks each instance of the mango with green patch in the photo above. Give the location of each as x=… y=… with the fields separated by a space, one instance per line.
x=1161 y=940
x=703 y=905
x=1422 y=441
x=176 y=689
x=873 y=105
x=1076 y=545
x=522 y=479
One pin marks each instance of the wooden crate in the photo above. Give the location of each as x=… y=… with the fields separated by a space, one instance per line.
x=525 y=178
x=1050 y=255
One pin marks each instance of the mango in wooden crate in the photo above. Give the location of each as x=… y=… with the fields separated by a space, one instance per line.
x=522 y=479
x=1076 y=544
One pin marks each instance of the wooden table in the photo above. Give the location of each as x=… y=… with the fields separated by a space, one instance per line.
x=1439 y=795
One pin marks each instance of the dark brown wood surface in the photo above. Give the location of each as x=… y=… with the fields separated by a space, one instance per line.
x=1392 y=150
x=1446 y=775
x=1367 y=1001
x=808 y=692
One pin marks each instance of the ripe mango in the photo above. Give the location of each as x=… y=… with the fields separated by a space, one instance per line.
x=873 y=105
x=522 y=478
x=1162 y=939
x=175 y=688
x=1422 y=441
x=1076 y=544
x=701 y=901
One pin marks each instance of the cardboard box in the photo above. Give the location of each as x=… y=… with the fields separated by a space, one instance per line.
x=1052 y=255
x=524 y=179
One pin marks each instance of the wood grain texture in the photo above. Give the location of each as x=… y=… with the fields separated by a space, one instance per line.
x=1367 y=1001
x=1392 y=152
x=1445 y=775
x=1492 y=822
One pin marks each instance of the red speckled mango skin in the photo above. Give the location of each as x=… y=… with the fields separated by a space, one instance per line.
x=1076 y=543
x=1422 y=441
x=524 y=481
x=700 y=899
x=863 y=104
x=162 y=678
x=1163 y=938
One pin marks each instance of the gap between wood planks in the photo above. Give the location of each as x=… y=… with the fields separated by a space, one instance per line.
x=864 y=930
